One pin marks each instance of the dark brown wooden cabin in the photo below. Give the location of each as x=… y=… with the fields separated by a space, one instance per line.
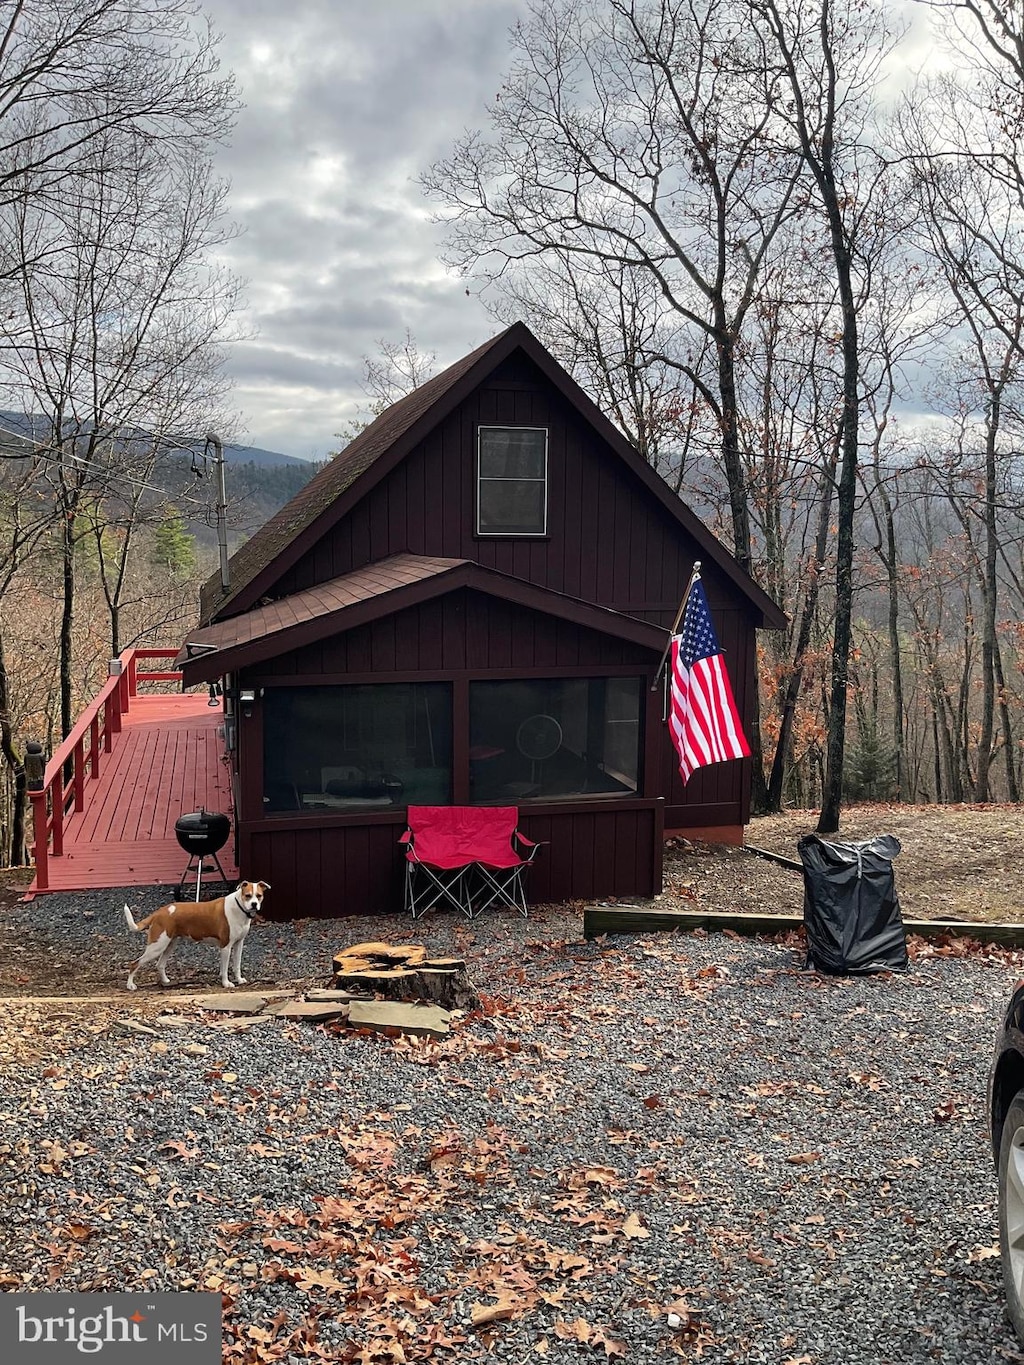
x=468 y=605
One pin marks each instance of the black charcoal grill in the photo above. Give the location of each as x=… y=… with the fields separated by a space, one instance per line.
x=202 y=834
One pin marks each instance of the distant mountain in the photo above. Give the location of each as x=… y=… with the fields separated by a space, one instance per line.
x=18 y=430
x=254 y=455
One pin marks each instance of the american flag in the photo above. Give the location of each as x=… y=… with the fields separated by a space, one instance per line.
x=703 y=720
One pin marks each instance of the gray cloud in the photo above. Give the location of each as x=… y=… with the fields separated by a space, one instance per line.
x=345 y=105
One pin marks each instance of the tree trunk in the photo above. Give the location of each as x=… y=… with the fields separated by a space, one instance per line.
x=988 y=606
x=67 y=624
x=740 y=514
x=783 y=751
x=14 y=854
x=835 y=750
x=1012 y=786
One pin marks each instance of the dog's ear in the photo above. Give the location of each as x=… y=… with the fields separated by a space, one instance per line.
x=265 y=885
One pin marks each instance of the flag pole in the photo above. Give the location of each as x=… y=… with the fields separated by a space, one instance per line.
x=675 y=624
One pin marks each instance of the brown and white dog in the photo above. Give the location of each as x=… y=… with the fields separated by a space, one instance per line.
x=226 y=920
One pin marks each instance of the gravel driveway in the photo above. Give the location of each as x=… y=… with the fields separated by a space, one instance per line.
x=640 y=1148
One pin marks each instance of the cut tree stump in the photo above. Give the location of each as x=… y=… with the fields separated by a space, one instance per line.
x=379 y=955
x=405 y=973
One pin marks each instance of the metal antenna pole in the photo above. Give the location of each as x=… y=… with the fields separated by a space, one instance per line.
x=222 y=510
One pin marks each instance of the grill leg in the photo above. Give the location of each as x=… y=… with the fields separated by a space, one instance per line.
x=213 y=858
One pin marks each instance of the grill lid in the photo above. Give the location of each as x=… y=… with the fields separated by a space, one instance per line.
x=202 y=831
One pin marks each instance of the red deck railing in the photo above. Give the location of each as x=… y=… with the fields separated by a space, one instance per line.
x=81 y=752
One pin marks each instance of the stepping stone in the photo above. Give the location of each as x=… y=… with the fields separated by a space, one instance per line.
x=236 y=1023
x=317 y=1011
x=133 y=1026
x=422 y=1021
x=342 y=997
x=234 y=1003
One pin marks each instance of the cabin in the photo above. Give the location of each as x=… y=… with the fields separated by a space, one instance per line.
x=469 y=605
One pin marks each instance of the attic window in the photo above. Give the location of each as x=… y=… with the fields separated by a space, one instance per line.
x=512 y=481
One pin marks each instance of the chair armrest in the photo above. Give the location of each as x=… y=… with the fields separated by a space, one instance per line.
x=533 y=845
x=406 y=838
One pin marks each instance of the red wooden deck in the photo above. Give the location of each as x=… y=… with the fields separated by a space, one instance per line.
x=167 y=760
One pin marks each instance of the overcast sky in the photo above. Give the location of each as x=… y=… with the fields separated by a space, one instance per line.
x=347 y=101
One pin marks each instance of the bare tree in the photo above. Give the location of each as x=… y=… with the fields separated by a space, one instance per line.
x=966 y=175
x=23 y=522
x=609 y=326
x=633 y=135
x=826 y=58
x=396 y=369
x=116 y=331
x=73 y=72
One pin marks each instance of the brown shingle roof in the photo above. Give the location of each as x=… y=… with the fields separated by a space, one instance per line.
x=372 y=580
x=376 y=590
x=329 y=483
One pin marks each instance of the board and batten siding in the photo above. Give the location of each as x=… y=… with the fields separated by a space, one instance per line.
x=462 y=630
x=343 y=867
x=609 y=541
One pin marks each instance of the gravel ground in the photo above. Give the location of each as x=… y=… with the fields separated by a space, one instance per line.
x=637 y=1149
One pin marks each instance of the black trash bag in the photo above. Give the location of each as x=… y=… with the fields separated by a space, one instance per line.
x=851 y=910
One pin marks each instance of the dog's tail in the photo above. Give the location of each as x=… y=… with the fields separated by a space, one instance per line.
x=142 y=924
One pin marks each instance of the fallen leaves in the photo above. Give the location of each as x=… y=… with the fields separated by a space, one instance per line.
x=581 y=1331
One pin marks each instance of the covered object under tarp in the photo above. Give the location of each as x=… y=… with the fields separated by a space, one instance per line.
x=851 y=910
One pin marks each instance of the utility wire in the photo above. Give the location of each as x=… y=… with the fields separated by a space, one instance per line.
x=40 y=451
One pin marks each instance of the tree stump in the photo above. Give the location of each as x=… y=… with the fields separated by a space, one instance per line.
x=405 y=973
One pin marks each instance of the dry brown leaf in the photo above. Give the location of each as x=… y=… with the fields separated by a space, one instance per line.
x=577 y=1330
x=803 y=1158
x=507 y=1306
x=634 y=1229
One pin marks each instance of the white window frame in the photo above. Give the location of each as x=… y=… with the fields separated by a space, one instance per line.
x=509 y=535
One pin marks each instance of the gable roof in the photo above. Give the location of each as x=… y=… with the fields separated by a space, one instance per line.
x=366 y=460
x=248 y=564
x=377 y=590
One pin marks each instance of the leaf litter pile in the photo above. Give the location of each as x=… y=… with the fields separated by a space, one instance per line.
x=669 y=1147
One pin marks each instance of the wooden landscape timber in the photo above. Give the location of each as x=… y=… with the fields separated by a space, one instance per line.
x=404 y=973
x=639 y=919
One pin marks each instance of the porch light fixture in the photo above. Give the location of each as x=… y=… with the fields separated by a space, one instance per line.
x=192 y=649
x=35 y=765
x=246 y=699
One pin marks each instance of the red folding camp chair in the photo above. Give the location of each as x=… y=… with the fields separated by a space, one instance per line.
x=438 y=858
x=503 y=855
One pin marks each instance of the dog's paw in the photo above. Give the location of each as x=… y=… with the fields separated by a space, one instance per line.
x=130 y=985
x=242 y=981
x=228 y=985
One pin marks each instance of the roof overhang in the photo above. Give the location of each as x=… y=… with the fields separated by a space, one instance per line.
x=376 y=591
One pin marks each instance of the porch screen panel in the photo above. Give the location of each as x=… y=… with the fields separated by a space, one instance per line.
x=551 y=738
x=356 y=748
